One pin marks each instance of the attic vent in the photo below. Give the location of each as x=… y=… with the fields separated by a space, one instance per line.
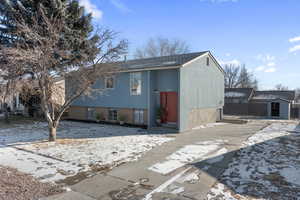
x=207 y=61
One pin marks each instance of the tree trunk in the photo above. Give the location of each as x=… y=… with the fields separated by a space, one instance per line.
x=52 y=134
x=6 y=114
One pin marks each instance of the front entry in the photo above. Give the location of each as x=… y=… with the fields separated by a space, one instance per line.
x=275 y=109
x=169 y=104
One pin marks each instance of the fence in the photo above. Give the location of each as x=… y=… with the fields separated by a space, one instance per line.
x=253 y=109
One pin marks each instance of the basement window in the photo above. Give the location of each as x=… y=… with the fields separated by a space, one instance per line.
x=138 y=116
x=91 y=113
x=113 y=115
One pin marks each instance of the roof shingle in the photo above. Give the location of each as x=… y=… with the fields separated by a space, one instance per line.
x=163 y=61
x=288 y=95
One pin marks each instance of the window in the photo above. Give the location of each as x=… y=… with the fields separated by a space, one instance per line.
x=113 y=115
x=207 y=61
x=135 y=83
x=109 y=82
x=138 y=116
x=91 y=113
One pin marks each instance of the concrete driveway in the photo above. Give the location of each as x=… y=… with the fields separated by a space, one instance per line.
x=191 y=180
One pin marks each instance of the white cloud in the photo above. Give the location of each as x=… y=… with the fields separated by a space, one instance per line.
x=260 y=68
x=91 y=8
x=228 y=54
x=233 y=62
x=294 y=39
x=270 y=70
x=295 y=48
x=265 y=57
x=268 y=63
x=121 y=6
x=271 y=64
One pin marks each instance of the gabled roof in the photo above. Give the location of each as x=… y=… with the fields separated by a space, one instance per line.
x=288 y=95
x=239 y=93
x=160 y=62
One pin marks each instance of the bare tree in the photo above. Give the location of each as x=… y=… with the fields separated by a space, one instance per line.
x=231 y=76
x=281 y=87
x=246 y=78
x=297 y=93
x=239 y=77
x=45 y=51
x=160 y=46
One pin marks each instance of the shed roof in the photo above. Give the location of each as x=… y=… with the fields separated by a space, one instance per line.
x=240 y=93
x=288 y=95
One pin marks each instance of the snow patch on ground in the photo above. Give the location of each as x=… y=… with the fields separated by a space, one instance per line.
x=221 y=193
x=100 y=151
x=291 y=175
x=189 y=178
x=267 y=166
x=218 y=156
x=273 y=131
x=46 y=169
x=80 y=146
x=189 y=153
x=209 y=125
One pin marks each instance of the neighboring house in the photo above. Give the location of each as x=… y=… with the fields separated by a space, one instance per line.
x=279 y=102
x=13 y=103
x=187 y=88
x=271 y=104
x=238 y=95
x=31 y=106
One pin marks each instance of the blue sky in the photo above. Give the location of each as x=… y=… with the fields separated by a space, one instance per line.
x=262 y=34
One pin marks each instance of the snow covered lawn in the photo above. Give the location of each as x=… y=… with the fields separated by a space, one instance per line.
x=267 y=166
x=80 y=147
x=189 y=153
x=209 y=125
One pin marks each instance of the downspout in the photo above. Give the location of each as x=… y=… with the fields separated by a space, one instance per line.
x=179 y=102
x=149 y=101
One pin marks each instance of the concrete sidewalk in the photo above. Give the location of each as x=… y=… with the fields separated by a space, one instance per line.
x=133 y=181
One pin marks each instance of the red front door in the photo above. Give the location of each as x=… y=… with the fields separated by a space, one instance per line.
x=169 y=104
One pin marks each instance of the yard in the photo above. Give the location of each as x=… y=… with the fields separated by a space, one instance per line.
x=266 y=167
x=81 y=149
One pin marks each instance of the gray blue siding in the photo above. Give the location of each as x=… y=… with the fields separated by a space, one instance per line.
x=118 y=97
x=161 y=81
x=201 y=86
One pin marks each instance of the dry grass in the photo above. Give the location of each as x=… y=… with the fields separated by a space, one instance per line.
x=73 y=142
x=15 y=185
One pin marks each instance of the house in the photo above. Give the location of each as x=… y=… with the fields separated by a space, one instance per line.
x=270 y=104
x=279 y=103
x=184 y=91
x=30 y=105
x=13 y=103
x=238 y=95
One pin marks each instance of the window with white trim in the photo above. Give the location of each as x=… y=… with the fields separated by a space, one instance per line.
x=113 y=115
x=109 y=82
x=138 y=116
x=136 y=83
